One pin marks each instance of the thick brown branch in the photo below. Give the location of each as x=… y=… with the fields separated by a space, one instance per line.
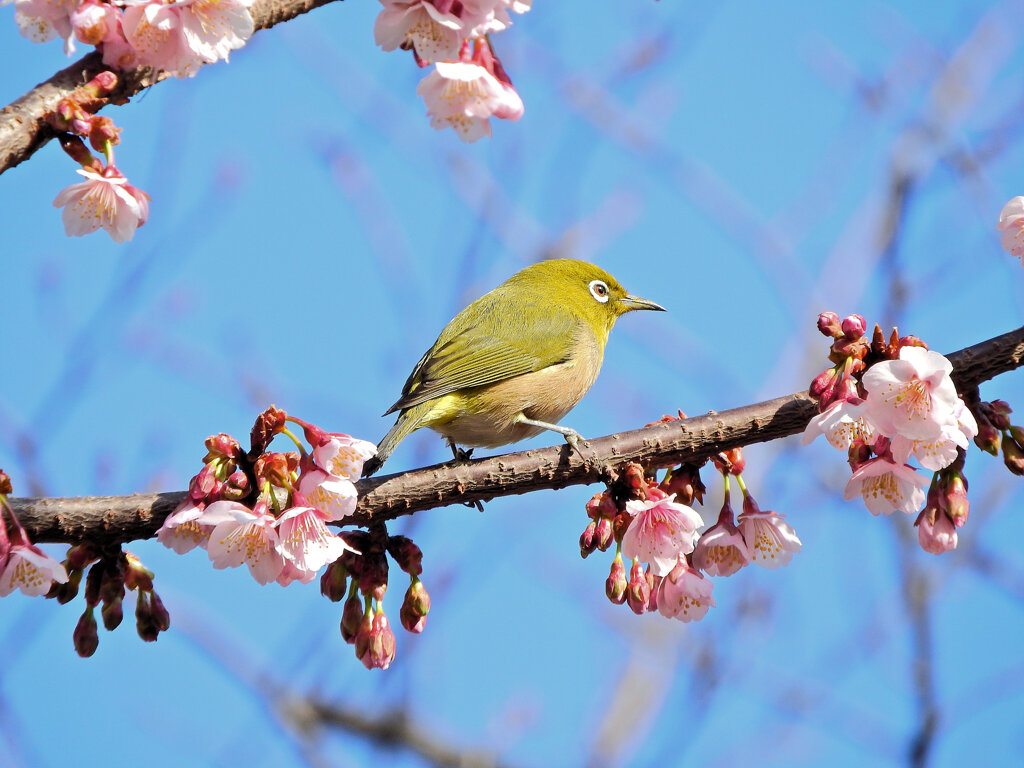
x=23 y=126
x=112 y=519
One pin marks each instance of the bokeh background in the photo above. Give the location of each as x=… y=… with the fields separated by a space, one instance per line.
x=746 y=165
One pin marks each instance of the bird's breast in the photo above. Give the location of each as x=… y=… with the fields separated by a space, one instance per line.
x=486 y=416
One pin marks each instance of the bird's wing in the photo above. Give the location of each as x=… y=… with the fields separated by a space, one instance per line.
x=493 y=348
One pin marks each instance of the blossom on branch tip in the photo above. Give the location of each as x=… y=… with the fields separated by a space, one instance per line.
x=182 y=531
x=721 y=549
x=659 y=532
x=841 y=423
x=103 y=200
x=887 y=486
x=433 y=34
x=464 y=96
x=306 y=541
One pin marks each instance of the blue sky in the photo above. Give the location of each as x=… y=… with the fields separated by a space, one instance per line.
x=309 y=236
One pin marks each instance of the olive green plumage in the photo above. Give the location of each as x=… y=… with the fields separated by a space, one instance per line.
x=515 y=361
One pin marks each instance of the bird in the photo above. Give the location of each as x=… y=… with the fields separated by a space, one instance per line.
x=514 y=362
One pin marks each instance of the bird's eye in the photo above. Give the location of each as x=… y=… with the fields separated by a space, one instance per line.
x=599 y=290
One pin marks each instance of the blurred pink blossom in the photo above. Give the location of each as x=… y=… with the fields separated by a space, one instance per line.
x=103 y=200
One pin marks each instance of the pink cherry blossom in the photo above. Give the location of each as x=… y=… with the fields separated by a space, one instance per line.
x=434 y=35
x=182 y=531
x=42 y=20
x=887 y=486
x=334 y=496
x=771 y=540
x=243 y=535
x=936 y=536
x=305 y=539
x=341 y=455
x=181 y=35
x=464 y=95
x=842 y=422
x=1011 y=224
x=721 y=550
x=659 y=532
x=684 y=593
x=913 y=396
x=31 y=570
x=107 y=201
x=93 y=22
x=940 y=452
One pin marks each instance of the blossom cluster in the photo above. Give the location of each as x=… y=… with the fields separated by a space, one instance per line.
x=270 y=510
x=468 y=84
x=887 y=403
x=175 y=36
x=654 y=523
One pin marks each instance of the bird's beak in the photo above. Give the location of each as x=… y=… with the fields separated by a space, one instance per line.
x=635 y=302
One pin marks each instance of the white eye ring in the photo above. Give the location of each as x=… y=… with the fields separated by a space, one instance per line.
x=599 y=290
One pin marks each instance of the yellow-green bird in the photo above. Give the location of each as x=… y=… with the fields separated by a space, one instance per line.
x=515 y=361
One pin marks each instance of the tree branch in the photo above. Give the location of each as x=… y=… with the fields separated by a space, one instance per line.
x=23 y=126
x=118 y=519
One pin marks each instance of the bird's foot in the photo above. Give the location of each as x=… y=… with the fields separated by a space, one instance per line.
x=573 y=438
x=459 y=455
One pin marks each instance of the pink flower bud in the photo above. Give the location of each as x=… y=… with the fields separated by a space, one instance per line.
x=828 y=324
x=956 y=503
x=86 y=637
x=634 y=478
x=362 y=636
x=588 y=540
x=604 y=535
x=999 y=413
x=854 y=327
x=415 y=607
x=112 y=614
x=823 y=382
x=615 y=585
x=222 y=446
x=988 y=437
x=935 y=531
x=638 y=591
x=379 y=649
x=92 y=584
x=408 y=556
x=236 y=487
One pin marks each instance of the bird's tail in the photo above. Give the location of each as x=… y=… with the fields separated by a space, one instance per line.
x=408 y=422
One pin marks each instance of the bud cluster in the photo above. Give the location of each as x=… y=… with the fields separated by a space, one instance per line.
x=361 y=580
x=886 y=402
x=651 y=521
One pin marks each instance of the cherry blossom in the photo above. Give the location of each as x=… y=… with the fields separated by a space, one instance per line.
x=43 y=20
x=1011 y=224
x=434 y=35
x=464 y=95
x=182 y=531
x=940 y=452
x=913 y=396
x=243 y=535
x=338 y=462
x=182 y=35
x=771 y=540
x=721 y=550
x=31 y=570
x=887 y=486
x=104 y=200
x=305 y=539
x=659 y=532
x=842 y=422
x=684 y=593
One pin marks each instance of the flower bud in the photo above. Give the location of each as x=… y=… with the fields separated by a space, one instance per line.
x=161 y=616
x=112 y=614
x=112 y=582
x=405 y=552
x=616 y=583
x=638 y=591
x=415 y=607
x=86 y=637
x=68 y=591
x=828 y=324
x=382 y=643
x=1013 y=454
x=823 y=382
x=635 y=479
x=136 y=575
x=351 y=618
x=1000 y=413
x=956 y=502
x=206 y=484
x=911 y=341
x=988 y=437
x=853 y=326
x=594 y=505
x=935 y=531
x=92 y=583
x=588 y=540
x=276 y=468
x=236 y=487
x=604 y=535
x=362 y=637
x=334 y=582
x=267 y=425
x=101 y=131
x=654 y=582
x=222 y=446
x=620 y=523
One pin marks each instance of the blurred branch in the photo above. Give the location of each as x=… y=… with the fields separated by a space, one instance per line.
x=23 y=126
x=112 y=519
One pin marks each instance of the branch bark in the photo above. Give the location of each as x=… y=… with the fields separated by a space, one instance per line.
x=23 y=126
x=118 y=519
